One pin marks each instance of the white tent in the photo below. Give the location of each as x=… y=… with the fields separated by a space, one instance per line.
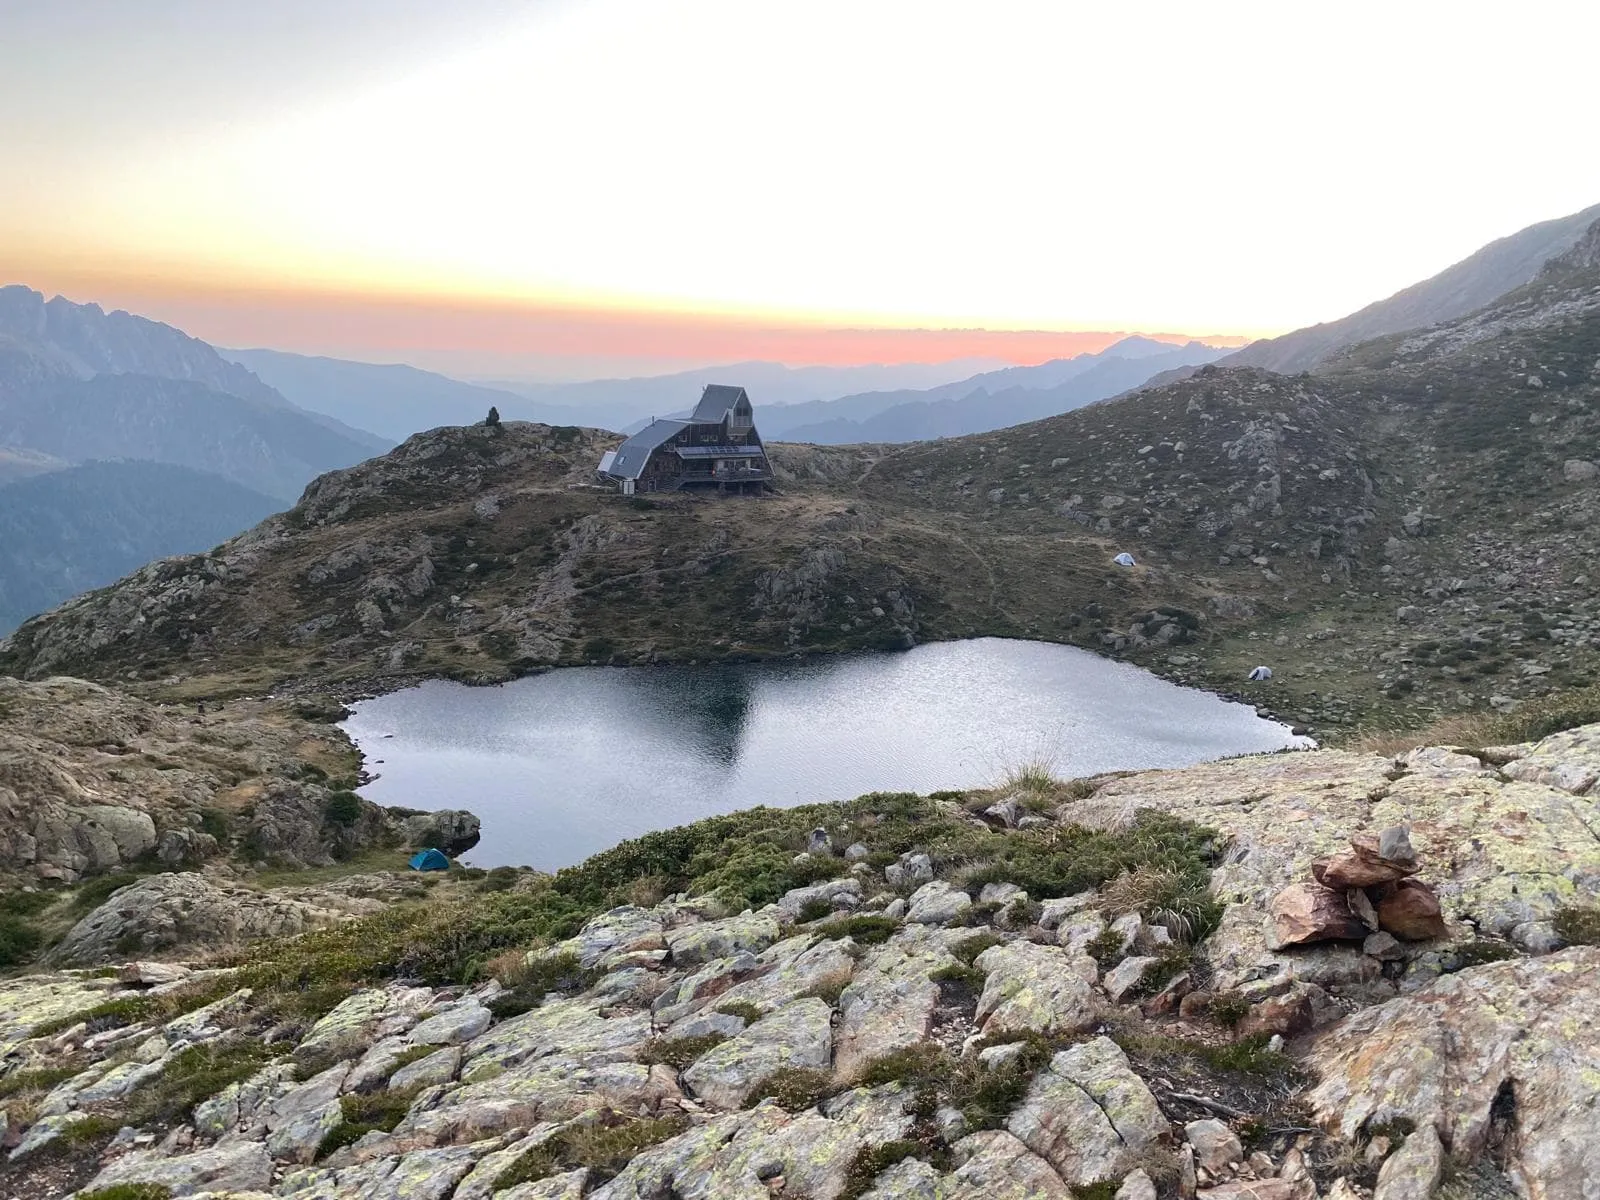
x=1261 y=673
x=1124 y=559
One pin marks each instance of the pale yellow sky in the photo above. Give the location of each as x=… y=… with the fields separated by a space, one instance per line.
x=1219 y=168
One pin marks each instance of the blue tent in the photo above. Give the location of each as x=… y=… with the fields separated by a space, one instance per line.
x=429 y=860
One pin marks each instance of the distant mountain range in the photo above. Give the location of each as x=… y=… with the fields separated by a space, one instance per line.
x=83 y=527
x=397 y=400
x=78 y=383
x=983 y=402
x=207 y=448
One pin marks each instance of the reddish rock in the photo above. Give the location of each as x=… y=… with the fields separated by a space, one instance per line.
x=1195 y=1004
x=1309 y=912
x=1289 y=1014
x=1411 y=911
x=1363 y=865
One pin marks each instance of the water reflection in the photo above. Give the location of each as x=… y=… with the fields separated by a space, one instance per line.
x=564 y=764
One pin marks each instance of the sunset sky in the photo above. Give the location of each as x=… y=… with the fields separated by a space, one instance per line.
x=525 y=187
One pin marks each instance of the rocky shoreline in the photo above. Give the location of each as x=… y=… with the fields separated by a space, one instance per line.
x=933 y=1005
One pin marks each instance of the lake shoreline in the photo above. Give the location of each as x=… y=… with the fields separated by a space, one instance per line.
x=632 y=749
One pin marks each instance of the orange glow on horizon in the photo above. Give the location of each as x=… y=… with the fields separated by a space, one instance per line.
x=376 y=325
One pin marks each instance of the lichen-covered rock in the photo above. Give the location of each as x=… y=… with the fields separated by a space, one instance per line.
x=1443 y=1056
x=996 y=1165
x=840 y=893
x=738 y=1155
x=302 y=1117
x=792 y=968
x=620 y=931
x=889 y=1004
x=1414 y=1169
x=232 y=1167
x=797 y=1035
x=31 y=1001
x=162 y=913
x=1030 y=988
x=436 y=1068
x=1498 y=854
x=748 y=933
x=451 y=1026
x=938 y=903
x=359 y=1019
x=1089 y=1115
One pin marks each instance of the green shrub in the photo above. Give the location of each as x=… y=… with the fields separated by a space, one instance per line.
x=129 y=1191
x=603 y=1148
x=217 y=823
x=968 y=949
x=342 y=808
x=364 y=1113
x=193 y=1075
x=958 y=973
x=545 y=974
x=814 y=910
x=871 y=1161
x=1577 y=925
x=869 y=929
x=40 y=1079
x=19 y=940
x=1229 y=1008
x=1477 y=953
x=794 y=1088
x=678 y=1053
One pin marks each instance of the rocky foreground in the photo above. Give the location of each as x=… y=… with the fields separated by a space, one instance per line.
x=1055 y=990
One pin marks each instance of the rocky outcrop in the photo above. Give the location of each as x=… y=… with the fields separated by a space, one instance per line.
x=1502 y=1059
x=164 y=914
x=93 y=780
x=749 y=1053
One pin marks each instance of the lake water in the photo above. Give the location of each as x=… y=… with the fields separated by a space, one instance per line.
x=564 y=764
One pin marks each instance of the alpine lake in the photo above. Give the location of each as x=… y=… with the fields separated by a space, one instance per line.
x=564 y=764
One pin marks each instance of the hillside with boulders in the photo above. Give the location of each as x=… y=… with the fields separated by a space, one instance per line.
x=1309 y=974
x=1403 y=537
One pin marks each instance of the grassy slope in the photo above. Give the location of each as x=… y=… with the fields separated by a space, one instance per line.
x=1268 y=514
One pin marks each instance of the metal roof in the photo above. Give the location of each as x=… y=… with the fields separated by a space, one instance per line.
x=715 y=402
x=719 y=451
x=635 y=452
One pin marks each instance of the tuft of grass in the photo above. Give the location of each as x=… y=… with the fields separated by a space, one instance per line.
x=1229 y=1008
x=122 y=1011
x=529 y=983
x=40 y=1079
x=1247 y=1056
x=868 y=929
x=828 y=991
x=794 y=1088
x=1577 y=925
x=741 y=1008
x=958 y=973
x=129 y=1191
x=193 y=1075
x=1173 y=897
x=604 y=1148
x=814 y=910
x=678 y=1053
x=364 y=1113
x=986 y=1096
x=968 y=949
x=871 y=1161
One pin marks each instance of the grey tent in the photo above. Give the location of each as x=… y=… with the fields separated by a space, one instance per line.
x=1261 y=673
x=1124 y=559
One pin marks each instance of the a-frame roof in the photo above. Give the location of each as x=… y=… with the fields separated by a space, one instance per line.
x=635 y=452
x=715 y=402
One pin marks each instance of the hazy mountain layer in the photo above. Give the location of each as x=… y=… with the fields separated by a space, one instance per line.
x=999 y=399
x=85 y=526
x=270 y=448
